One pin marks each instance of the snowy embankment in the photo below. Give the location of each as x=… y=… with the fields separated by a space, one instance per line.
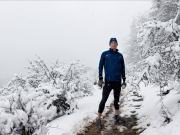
x=155 y=71
x=86 y=112
x=45 y=93
x=160 y=110
x=159 y=115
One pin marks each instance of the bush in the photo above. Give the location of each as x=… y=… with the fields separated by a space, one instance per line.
x=45 y=93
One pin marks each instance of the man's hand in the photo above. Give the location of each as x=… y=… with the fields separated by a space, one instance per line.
x=123 y=85
x=100 y=82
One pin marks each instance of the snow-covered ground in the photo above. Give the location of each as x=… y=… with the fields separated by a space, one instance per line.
x=29 y=102
x=71 y=124
x=157 y=45
x=151 y=116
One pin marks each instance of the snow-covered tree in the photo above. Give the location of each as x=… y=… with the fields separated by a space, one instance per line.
x=157 y=49
x=43 y=94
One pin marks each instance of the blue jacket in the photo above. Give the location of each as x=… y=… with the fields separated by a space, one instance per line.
x=113 y=63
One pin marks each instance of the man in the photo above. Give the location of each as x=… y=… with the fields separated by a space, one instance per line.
x=113 y=62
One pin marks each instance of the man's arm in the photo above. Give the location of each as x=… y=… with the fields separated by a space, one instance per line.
x=101 y=64
x=123 y=70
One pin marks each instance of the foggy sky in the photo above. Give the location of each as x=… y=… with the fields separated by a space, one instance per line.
x=61 y=30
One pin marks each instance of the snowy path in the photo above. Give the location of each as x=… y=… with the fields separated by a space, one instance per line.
x=71 y=124
x=82 y=121
x=129 y=127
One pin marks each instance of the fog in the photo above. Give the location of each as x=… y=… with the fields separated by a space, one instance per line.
x=65 y=30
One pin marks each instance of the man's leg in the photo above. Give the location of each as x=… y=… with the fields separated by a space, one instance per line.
x=117 y=91
x=105 y=94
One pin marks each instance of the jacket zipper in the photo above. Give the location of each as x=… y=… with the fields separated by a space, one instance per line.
x=110 y=74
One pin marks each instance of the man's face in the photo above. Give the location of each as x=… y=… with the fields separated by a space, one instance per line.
x=113 y=45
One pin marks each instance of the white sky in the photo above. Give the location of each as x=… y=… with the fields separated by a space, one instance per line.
x=65 y=30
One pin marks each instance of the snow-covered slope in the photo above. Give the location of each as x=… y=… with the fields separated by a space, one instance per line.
x=47 y=92
x=154 y=109
x=156 y=74
x=86 y=113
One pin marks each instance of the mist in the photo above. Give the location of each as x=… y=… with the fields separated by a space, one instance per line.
x=64 y=30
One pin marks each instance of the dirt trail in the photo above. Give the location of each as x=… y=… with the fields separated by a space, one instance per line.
x=109 y=128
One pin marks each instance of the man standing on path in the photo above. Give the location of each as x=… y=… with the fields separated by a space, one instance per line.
x=113 y=62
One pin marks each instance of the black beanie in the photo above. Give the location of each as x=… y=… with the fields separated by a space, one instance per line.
x=113 y=39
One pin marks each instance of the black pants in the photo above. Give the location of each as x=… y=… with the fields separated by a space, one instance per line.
x=116 y=86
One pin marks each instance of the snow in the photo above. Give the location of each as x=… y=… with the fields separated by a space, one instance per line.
x=86 y=112
x=153 y=60
x=159 y=51
x=31 y=101
x=150 y=112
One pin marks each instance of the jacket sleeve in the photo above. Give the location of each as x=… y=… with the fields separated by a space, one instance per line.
x=123 y=69
x=101 y=65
